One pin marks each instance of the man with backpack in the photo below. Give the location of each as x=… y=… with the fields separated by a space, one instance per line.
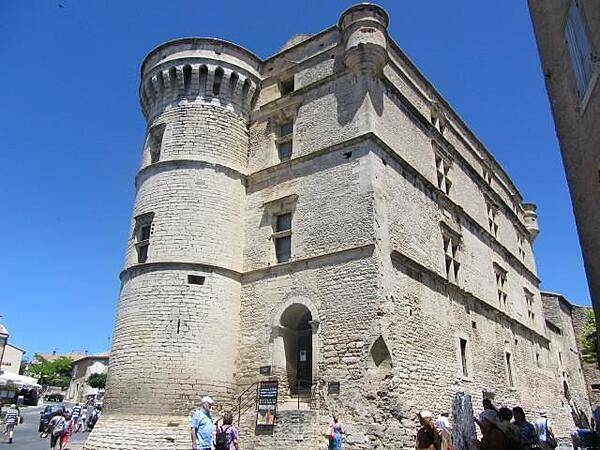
x=201 y=425
x=227 y=435
x=56 y=428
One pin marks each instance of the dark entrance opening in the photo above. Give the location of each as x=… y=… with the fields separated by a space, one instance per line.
x=297 y=339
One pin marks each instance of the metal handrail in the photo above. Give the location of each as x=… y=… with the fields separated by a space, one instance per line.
x=246 y=402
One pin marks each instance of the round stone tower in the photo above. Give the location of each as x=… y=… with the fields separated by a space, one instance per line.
x=176 y=331
x=364 y=37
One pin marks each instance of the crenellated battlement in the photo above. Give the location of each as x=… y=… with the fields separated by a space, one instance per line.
x=195 y=69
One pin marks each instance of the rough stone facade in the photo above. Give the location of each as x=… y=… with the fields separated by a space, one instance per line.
x=409 y=277
x=568 y=39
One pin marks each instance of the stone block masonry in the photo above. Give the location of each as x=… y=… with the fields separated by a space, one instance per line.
x=331 y=267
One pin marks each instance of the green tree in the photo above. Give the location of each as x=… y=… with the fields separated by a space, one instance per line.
x=52 y=373
x=97 y=380
x=587 y=339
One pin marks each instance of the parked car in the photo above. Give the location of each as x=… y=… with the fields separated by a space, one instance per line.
x=48 y=413
x=54 y=397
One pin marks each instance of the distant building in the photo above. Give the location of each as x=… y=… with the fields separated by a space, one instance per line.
x=568 y=39
x=11 y=360
x=55 y=355
x=82 y=369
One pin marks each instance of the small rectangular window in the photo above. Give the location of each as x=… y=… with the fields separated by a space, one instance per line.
x=284 y=222
x=509 y=371
x=284 y=150
x=154 y=142
x=196 y=279
x=283 y=248
x=463 y=357
x=285 y=129
x=142 y=251
x=286 y=86
x=580 y=49
x=142 y=235
x=145 y=232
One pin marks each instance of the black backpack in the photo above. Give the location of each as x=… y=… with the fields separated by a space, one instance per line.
x=221 y=441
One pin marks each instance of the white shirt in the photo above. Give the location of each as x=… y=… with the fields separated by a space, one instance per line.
x=541 y=427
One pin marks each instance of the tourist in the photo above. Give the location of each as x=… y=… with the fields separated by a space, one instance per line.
x=445 y=430
x=487 y=404
x=66 y=436
x=493 y=438
x=10 y=422
x=201 y=425
x=427 y=435
x=528 y=435
x=56 y=427
x=227 y=435
x=334 y=435
x=544 y=432
x=75 y=416
x=510 y=430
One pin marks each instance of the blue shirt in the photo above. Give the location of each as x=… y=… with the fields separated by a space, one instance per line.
x=202 y=424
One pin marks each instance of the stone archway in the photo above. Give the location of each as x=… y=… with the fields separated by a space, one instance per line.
x=295 y=349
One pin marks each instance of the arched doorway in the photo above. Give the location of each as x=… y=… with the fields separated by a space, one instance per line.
x=297 y=339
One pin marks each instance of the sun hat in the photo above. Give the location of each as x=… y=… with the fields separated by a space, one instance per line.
x=207 y=399
x=425 y=414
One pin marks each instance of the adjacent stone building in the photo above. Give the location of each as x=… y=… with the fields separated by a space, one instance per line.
x=325 y=219
x=562 y=322
x=83 y=368
x=568 y=39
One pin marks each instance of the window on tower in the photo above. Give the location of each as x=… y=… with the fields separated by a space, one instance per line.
x=142 y=233
x=284 y=141
x=154 y=142
x=283 y=237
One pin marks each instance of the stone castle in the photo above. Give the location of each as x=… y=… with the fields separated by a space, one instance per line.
x=325 y=219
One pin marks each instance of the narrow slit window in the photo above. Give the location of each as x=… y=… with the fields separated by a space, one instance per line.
x=509 y=370
x=285 y=140
x=463 y=358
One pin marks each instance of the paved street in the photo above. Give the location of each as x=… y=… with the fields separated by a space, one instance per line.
x=28 y=438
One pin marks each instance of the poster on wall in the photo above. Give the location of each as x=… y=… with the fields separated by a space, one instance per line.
x=266 y=405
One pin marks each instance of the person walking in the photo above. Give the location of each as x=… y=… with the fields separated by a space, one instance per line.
x=528 y=435
x=201 y=425
x=56 y=427
x=66 y=436
x=544 y=432
x=227 y=434
x=427 y=435
x=76 y=416
x=10 y=422
x=334 y=435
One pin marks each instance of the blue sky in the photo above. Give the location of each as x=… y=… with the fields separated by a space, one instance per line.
x=73 y=131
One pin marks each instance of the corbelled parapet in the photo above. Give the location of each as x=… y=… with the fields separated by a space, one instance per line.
x=364 y=33
x=531 y=222
x=191 y=69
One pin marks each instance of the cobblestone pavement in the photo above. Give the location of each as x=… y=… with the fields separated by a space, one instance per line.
x=28 y=438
